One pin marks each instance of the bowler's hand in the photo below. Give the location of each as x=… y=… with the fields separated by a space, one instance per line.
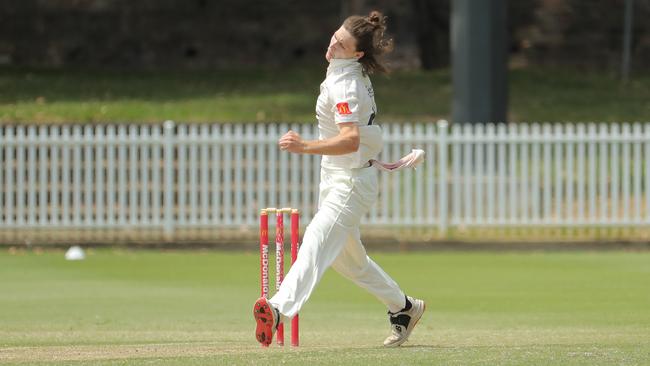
x=292 y=142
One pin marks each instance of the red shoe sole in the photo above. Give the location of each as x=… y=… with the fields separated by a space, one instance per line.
x=265 y=319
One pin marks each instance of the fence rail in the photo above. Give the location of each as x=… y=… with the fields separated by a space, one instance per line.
x=171 y=178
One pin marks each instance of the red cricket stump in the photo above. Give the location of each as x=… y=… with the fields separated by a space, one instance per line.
x=264 y=253
x=295 y=237
x=279 y=264
x=279 y=259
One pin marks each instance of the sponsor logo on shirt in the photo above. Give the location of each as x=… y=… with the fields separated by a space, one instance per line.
x=371 y=92
x=343 y=108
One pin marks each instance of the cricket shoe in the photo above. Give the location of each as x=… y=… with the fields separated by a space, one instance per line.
x=403 y=322
x=267 y=318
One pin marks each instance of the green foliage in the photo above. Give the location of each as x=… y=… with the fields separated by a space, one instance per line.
x=289 y=95
x=564 y=94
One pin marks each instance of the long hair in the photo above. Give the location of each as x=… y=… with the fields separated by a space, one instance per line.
x=369 y=32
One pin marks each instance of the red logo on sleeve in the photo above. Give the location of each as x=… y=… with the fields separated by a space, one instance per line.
x=343 y=108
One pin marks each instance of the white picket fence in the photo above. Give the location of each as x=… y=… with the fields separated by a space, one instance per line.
x=172 y=177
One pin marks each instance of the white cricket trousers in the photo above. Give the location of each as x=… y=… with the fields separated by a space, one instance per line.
x=333 y=239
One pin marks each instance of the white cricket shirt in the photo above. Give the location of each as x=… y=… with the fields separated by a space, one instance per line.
x=347 y=95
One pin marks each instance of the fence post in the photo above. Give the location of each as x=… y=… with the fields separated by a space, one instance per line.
x=169 y=180
x=442 y=169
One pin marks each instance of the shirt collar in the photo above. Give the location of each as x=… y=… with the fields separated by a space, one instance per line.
x=343 y=63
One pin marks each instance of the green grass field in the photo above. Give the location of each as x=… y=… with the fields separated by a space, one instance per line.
x=289 y=95
x=194 y=307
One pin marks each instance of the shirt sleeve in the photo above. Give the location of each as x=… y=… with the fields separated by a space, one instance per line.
x=345 y=97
